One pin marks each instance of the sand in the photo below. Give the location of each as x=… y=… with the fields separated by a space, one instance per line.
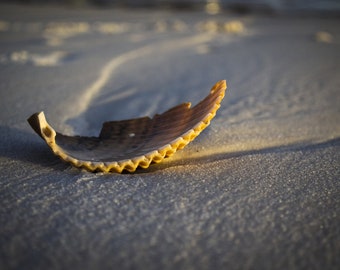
x=258 y=189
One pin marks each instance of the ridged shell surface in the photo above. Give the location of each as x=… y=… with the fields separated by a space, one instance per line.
x=129 y=144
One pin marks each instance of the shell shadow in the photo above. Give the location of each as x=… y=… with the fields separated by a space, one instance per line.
x=206 y=159
x=27 y=147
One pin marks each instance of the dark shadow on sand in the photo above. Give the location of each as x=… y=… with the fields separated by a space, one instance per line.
x=28 y=147
x=204 y=159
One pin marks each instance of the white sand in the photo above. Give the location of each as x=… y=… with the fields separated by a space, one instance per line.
x=259 y=189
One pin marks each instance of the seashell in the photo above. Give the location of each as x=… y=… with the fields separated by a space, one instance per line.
x=128 y=144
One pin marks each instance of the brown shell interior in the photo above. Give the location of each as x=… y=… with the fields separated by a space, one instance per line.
x=127 y=144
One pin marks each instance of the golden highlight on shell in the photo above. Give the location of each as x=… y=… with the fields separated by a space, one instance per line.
x=129 y=144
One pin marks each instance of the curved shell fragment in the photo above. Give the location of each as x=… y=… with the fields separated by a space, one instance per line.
x=129 y=144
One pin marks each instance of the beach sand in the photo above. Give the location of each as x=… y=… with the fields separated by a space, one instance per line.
x=258 y=189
